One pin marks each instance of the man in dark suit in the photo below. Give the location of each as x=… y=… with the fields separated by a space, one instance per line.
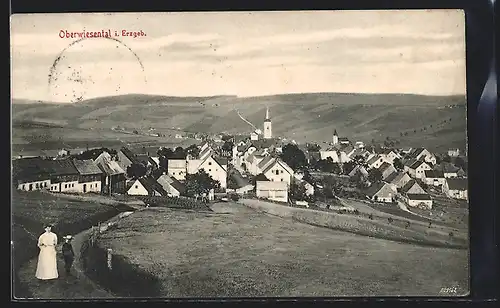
x=68 y=253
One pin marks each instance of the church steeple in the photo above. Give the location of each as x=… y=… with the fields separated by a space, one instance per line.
x=335 y=138
x=267 y=115
x=268 y=133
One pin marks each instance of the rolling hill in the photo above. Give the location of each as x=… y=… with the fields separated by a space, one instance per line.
x=432 y=121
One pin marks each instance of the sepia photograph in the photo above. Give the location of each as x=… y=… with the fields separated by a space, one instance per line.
x=240 y=154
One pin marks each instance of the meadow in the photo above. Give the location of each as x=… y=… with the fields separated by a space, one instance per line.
x=238 y=252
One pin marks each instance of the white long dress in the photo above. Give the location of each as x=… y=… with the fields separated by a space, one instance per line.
x=47 y=259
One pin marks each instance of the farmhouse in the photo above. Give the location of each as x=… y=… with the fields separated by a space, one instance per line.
x=113 y=175
x=412 y=187
x=146 y=187
x=453 y=152
x=89 y=176
x=125 y=158
x=64 y=176
x=416 y=168
x=424 y=155
x=171 y=185
x=419 y=200
x=276 y=170
x=434 y=177
x=276 y=191
x=375 y=162
x=215 y=167
x=31 y=173
x=386 y=169
x=456 y=188
x=381 y=192
x=177 y=168
x=398 y=179
x=390 y=155
x=356 y=169
x=450 y=171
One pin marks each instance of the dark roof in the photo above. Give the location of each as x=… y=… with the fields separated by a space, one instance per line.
x=27 y=169
x=384 y=166
x=221 y=161
x=263 y=143
x=108 y=166
x=408 y=186
x=373 y=159
x=170 y=180
x=457 y=184
x=417 y=164
x=86 y=167
x=392 y=177
x=374 y=189
x=129 y=154
x=261 y=177
x=416 y=152
x=433 y=174
x=151 y=186
x=419 y=197
x=63 y=167
x=263 y=163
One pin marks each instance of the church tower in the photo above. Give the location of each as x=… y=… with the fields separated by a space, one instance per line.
x=268 y=131
x=335 y=138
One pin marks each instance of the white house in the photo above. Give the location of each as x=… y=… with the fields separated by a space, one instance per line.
x=31 y=174
x=434 y=177
x=64 y=176
x=177 y=168
x=456 y=189
x=329 y=153
x=146 y=187
x=423 y=154
x=375 y=162
x=390 y=155
x=416 y=170
x=386 y=169
x=453 y=152
x=381 y=192
x=419 y=200
x=398 y=179
x=215 y=167
x=276 y=191
x=90 y=176
x=278 y=171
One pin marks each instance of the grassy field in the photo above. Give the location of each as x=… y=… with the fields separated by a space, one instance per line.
x=423 y=120
x=238 y=252
x=31 y=210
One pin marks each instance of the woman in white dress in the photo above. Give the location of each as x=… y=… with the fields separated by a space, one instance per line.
x=47 y=259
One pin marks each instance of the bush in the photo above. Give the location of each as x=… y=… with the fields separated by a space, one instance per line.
x=370 y=216
x=451 y=234
x=390 y=220
x=235 y=197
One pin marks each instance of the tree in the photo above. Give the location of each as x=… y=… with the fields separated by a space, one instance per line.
x=166 y=152
x=200 y=183
x=460 y=163
x=359 y=160
x=227 y=146
x=349 y=166
x=193 y=150
x=297 y=191
x=438 y=160
x=293 y=156
x=447 y=158
x=136 y=171
x=398 y=164
x=375 y=175
x=313 y=147
x=231 y=183
x=179 y=153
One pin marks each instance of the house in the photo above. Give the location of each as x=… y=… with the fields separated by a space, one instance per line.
x=64 y=176
x=177 y=168
x=434 y=177
x=277 y=171
x=125 y=158
x=406 y=150
x=171 y=185
x=386 y=169
x=424 y=155
x=215 y=167
x=276 y=191
x=31 y=174
x=344 y=140
x=252 y=163
x=241 y=185
x=90 y=176
x=356 y=169
x=146 y=186
x=147 y=161
x=375 y=161
x=450 y=171
x=456 y=188
x=329 y=153
x=381 y=192
x=417 y=168
x=419 y=200
x=398 y=179
x=412 y=187
x=63 y=152
x=390 y=155
x=113 y=180
x=453 y=152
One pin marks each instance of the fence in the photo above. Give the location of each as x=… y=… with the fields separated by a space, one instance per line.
x=174 y=202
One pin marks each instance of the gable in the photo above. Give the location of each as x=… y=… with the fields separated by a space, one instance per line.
x=385 y=191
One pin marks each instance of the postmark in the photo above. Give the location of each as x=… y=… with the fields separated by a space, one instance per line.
x=74 y=74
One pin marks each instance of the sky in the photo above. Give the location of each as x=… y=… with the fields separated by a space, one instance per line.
x=239 y=53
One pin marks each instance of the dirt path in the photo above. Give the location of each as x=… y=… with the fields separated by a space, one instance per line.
x=76 y=285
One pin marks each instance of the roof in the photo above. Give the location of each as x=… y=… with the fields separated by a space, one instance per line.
x=265 y=162
x=373 y=159
x=261 y=177
x=151 y=186
x=131 y=156
x=384 y=166
x=410 y=162
x=31 y=168
x=433 y=174
x=165 y=179
x=417 y=164
x=271 y=185
x=280 y=162
x=263 y=143
x=416 y=152
x=419 y=197
x=408 y=186
x=394 y=177
x=314 y=155
x=86 y=167
x=221 y=161
x=63 y=167
x=449 y=168
x=108 y=166
x=457 y=184
x=374 y=189
x=348 y=149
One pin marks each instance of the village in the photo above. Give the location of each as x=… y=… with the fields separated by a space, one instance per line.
x=258 y=165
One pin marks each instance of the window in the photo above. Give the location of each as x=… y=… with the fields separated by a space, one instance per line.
x=36 y=185
x=23 y=187
x=281 y=171
x=136 y=186
x=281 y=179
x=277 y=172
x=210 y=163
x=65 y=185
x=173 y=173
x=209 y=170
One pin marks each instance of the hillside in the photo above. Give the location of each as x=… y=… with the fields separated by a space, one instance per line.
x=435 y=122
